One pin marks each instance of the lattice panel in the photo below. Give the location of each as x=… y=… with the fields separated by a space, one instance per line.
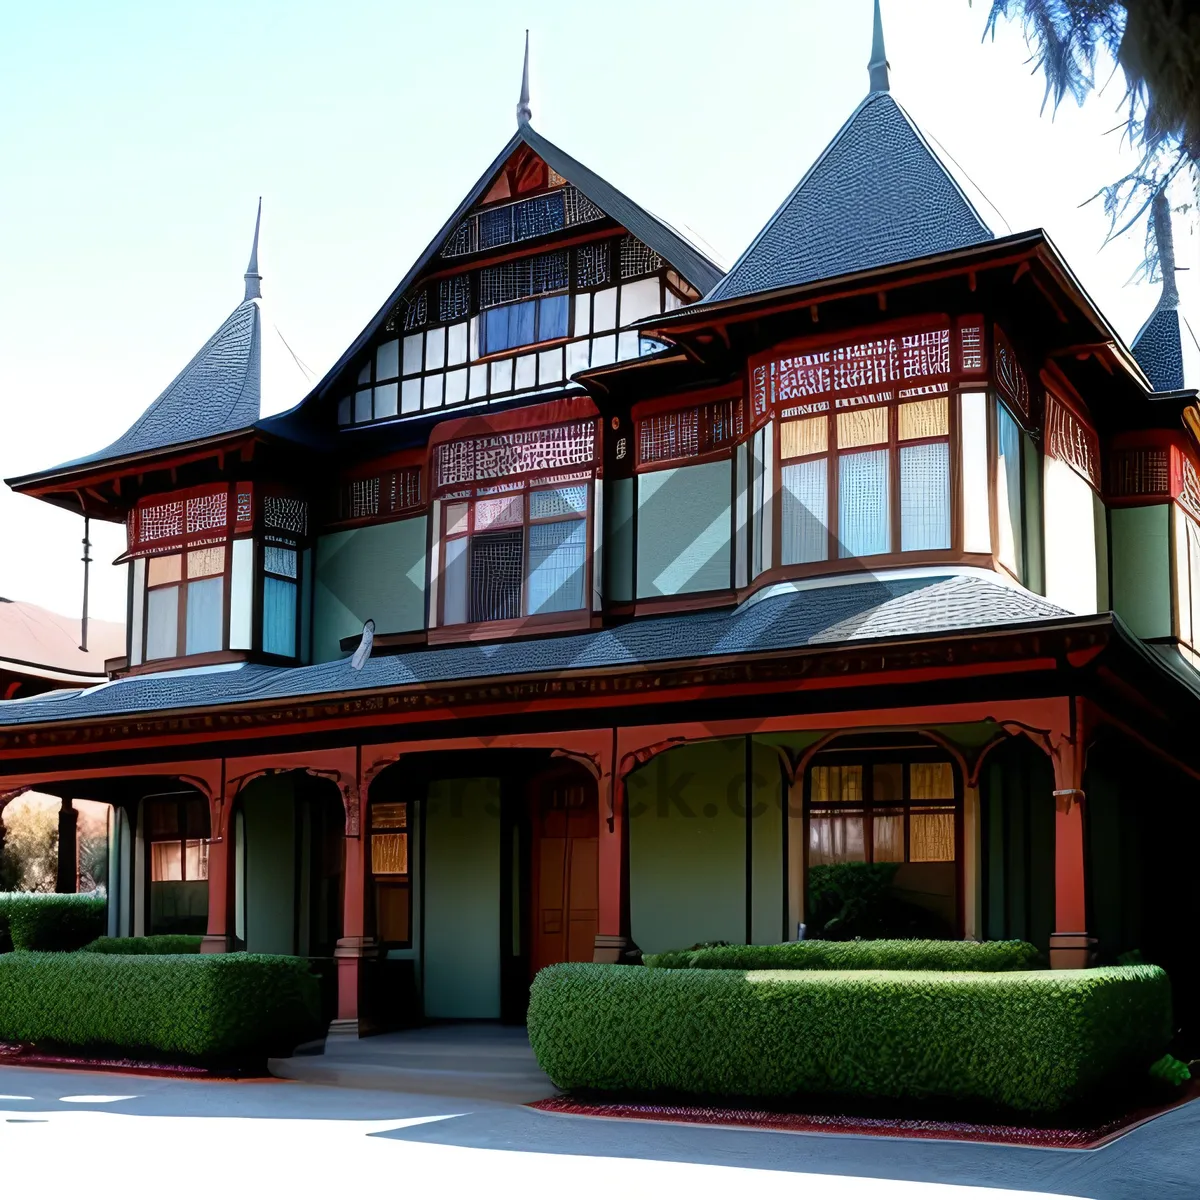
x=495 y=227
x=497 y=571
x=925 y=354
x=245 y=508
x=593 y=265
x=499 y=512
x=1189 y=494
x=579 y=209
x=560 y=502
x=521 y=452
x=207 y=561
x=536 y=276
x=280 y=560
x=208 y=512
x=364 y=497
x=411 y=312
x=464 y=240
x=454 y=298
x=689 y=432
x=159 y=521
x=404 y=489
x=285 y=514
x=637 y=258
x=971 y=348
x=1141 y=472
x=537 y=217
x=1070 y=441
x=1010 y=378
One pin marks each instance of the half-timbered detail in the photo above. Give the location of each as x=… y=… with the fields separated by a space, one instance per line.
x=598 y=600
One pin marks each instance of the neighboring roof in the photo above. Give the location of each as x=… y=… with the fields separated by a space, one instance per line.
x=681 y=253
x=877 y=195
x=40 y=644
x=245 y=364
x=783 y=618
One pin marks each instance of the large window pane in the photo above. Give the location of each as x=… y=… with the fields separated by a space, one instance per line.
x=557 y=556
x=864 y=507
x=835 y=839
x=805 y=511
x=454 y=579
x=552 y=319
x=496 y=575
x=205 y=615
x=162 y=622
x=925 y=497
x=1009 y=493
x=279 y=616
x=166 y=862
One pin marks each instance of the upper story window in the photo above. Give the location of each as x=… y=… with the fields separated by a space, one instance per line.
x=214 y=571
x=528 y=323
x=513 y=524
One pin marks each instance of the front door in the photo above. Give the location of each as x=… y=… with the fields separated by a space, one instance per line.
x=565 y=885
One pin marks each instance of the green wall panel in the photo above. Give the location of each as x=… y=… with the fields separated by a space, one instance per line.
x=377 y=572
x=683 y=530
x=1141 y=568
x=618 y=540
x=687 y=847
x=462 y=899
x=270 y=865
x=767 y=842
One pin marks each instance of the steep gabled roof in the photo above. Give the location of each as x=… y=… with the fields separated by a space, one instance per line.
x=691 y=262
x=877 y=195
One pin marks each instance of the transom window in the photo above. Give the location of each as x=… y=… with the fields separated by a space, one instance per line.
x=185 y=602
x=516 y=555
x=390 y=874
x=865 y=480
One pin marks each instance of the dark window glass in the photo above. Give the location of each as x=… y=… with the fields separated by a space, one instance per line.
x=496 y=573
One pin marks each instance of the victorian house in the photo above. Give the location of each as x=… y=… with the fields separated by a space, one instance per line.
x=595 y=596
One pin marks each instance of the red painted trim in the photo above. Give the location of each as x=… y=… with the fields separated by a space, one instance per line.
x=536 y=416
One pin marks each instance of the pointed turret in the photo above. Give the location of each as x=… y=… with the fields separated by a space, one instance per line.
x=877 y=68
x=524 y=112
x=252 y=277
x=1164 y=341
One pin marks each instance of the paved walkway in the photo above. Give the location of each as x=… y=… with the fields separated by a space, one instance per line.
x=277 y=1138
x=473 y=1061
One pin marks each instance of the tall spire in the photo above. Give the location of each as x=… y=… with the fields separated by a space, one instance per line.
x=524 y=112
x=1165 y=239
x=878 y=66
x=253 y=278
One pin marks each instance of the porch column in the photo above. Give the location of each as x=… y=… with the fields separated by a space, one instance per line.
x=354 y=945
x=220 y=876
x=1070 y=945
x=612 y=935
x=67 y=879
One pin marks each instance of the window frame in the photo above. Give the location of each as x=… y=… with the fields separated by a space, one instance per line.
x=391 y=880
x=261 y=574
x=867 y=758
x=225 y=575
x=524 y=490
x=834 y=453
x=181 y=800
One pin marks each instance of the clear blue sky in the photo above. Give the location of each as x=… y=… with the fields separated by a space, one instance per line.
x=138 y=137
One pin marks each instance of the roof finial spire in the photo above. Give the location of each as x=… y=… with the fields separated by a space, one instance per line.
x=524 y=112
x=878 y=66
x=253 y=278
x=1165 y=240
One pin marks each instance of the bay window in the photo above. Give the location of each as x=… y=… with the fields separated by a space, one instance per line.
x=865 y=480
x=516 y=555
x=185 y=602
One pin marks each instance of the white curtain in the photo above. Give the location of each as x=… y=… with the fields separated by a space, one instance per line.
x=925 y=497
x=205 y=615
x=805 y=511
x=162 y=623
x=835 y=839
x=864 y=508
x=454 y=582
x=279 y=616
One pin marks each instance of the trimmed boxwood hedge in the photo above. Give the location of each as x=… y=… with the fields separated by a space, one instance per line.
x=878 y=955
x=200 y=1006
x=48 y=921
x=155 y=943
x=1029 y=1041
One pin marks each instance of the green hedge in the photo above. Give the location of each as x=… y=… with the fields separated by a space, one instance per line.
x=856 y=956
x=202 y=1006
x=157 y=943
x=1030 y=1041
x=47 y=921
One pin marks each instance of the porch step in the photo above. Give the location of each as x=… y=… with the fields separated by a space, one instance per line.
x=471 y=1062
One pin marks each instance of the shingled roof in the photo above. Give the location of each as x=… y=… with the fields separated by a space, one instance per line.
x=786 y=617
x=222 y=389
x=878 y=194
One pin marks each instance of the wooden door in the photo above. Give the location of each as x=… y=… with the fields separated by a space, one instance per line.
x=564 y=912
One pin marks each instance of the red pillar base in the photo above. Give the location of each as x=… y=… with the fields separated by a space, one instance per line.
x=1071 y=951
x=216 y=943
x=349 y=954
